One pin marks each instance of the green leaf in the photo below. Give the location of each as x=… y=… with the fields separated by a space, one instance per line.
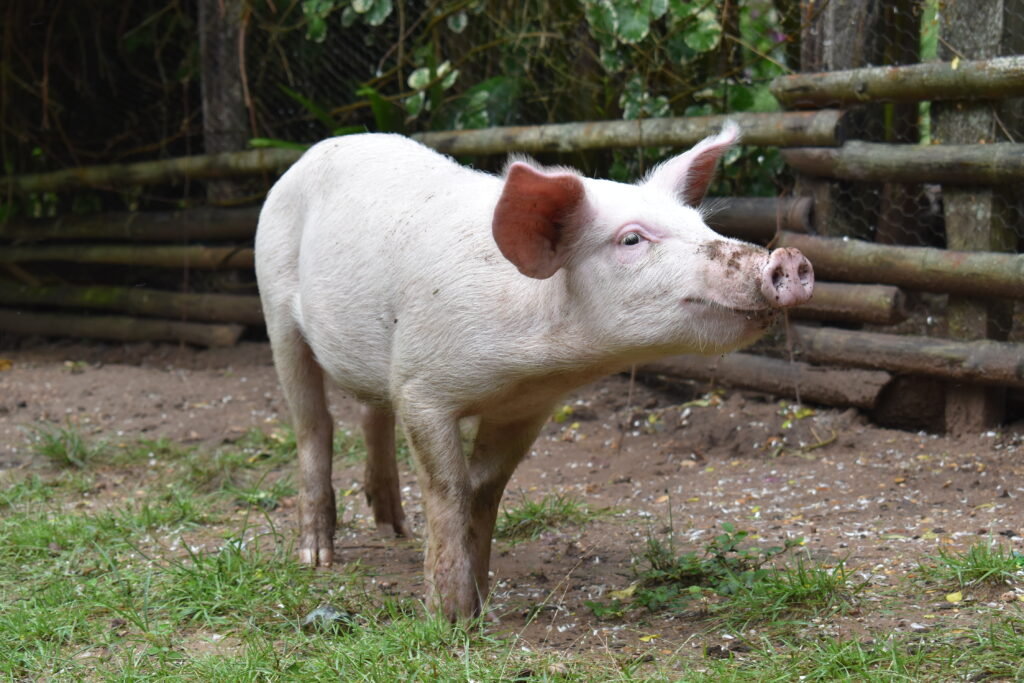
x=458 y=22
x=414 y=103
x=634 y=20
x=419 y=79
x=681 y=9
x=348 y=130
x=348 y=17
x=612 y=60
x=380 y=11
x=362 y=6
x=603 y=22
x=386 y=114
x=256 y=143
x=707 y=32
x=316 y=30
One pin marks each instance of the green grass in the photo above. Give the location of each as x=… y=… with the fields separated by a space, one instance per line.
x=529 y=519
x=982 y=563
x=127 y=569
x=64 y=446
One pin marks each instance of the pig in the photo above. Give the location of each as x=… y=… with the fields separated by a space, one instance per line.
x=437 y=293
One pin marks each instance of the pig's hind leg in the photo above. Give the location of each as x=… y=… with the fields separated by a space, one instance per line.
x=382 y=485
x=303 y=382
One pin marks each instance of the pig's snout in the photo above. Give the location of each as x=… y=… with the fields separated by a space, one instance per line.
x=787 y=278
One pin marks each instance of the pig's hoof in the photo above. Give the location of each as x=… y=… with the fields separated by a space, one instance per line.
x=316 y=557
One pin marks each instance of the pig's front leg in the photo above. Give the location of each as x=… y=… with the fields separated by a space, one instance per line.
x=382 y=486
x=444 y=479
x=497 y=451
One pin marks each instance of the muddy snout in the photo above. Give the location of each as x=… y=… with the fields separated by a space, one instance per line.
x=787 y=278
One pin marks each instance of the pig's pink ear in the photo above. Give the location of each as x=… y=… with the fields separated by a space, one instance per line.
x=688 y=175
x=531 y=220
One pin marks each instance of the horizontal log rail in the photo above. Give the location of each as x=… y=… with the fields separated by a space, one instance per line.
x=207 y=223
x=159 y=256
x=224 y=308
x=784 y=129
x=968 y=273
x=961 y=80
x=119 y=328
x=778 y=129
x=995 y=164
x=871 y=304
x=982 y=362
x=826 y=386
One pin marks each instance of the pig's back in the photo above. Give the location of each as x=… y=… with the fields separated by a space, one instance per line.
x=369 y=231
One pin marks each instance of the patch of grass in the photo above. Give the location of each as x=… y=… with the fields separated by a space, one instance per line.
x=27 y=490
x=742 y=579
x=529 y=519
x=64 y=446
x=982 y=563
x=266 y=496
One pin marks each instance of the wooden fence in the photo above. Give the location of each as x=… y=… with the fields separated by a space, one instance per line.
x=861 y=283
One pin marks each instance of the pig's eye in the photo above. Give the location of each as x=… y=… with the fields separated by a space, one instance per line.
x=630 y=239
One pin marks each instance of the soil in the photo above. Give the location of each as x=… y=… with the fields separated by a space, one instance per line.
x=881 y=500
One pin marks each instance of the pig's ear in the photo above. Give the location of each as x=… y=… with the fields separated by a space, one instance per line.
x=531 y=220
x=688 y=175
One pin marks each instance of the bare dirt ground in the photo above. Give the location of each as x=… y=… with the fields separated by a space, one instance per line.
x=881 y=499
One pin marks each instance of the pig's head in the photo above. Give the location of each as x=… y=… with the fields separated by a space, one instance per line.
x=642 y=272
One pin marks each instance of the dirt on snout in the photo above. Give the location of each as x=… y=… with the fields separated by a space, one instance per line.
x=656 y=461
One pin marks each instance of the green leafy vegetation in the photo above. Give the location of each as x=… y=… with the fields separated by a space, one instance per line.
x=529 y=519
x=982 y=563
x=737 y=583
x=64 y=446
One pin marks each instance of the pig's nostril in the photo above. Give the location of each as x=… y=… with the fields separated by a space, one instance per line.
x=803 y=271
x=778 y=275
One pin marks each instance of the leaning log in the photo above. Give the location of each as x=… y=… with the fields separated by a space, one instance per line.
x=778 y=129
x=787 y=129
x=827 y=386
x=224 y=308
x=119 y=328
x=757 y=219
x=970 y=273
x=982 y=362
x=159 y=256
x=994 y=164
x=152 y=226
x=961 y=80
x=871 y=304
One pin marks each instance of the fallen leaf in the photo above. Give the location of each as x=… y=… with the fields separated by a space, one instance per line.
x=6 y=364
x=955 y=597
x=624 y=593
x=649 y=638
x=661 y=499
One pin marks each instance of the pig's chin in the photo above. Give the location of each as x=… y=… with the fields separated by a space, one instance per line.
x=736 y=326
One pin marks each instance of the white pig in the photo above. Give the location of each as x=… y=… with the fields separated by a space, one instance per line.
x=435 y=292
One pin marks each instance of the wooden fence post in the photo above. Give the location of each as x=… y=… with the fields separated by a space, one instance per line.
x=978 y=219
x=225 y=115
x=844 y=35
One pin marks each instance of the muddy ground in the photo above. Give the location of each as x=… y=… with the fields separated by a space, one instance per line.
x=689 y=461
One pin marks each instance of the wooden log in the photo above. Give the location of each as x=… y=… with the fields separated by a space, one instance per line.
x=159 y=256
x=994 y=164
x=983 y=362
x=158 y=226
x=827 y=386
x=961 y=80
x=871 y=304
x=757 y=219
x=783 y=129
x=817 y=128
x=120 y=328
x=251 y=162
x=223 y=308
x=983 y=274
